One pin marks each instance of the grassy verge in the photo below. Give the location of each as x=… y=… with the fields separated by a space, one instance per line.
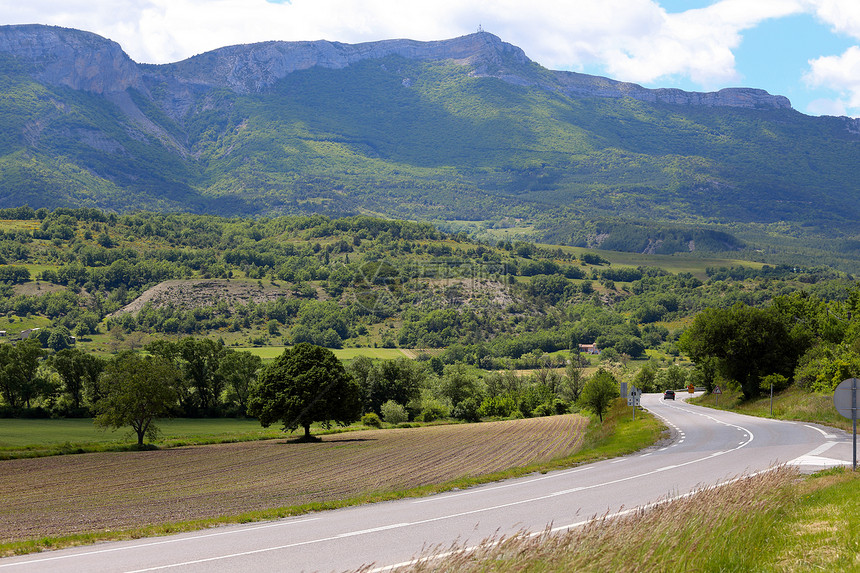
x=618 y=435
x=792 y=404
x=771 y=522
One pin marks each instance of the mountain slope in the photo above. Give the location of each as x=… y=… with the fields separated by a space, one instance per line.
x=462 y=129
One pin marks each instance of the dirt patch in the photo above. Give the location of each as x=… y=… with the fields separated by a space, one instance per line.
x=189 y=294
x=122 y=490
x=37 y=288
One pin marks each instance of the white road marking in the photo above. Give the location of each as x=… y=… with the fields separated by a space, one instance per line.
x=446 y=496
x=826 y=435
x=245 y=529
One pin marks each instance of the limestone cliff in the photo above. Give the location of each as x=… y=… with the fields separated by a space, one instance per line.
x=85 y=61
x=254 y=67
x=71 y=58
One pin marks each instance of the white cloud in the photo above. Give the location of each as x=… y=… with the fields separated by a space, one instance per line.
x=840 y=74
x=842 y=15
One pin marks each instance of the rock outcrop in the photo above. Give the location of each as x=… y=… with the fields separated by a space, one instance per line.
x=575 y=84
x=85 y=61
x=254 y=67
x=71 y=58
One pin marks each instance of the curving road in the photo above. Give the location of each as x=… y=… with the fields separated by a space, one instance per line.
x=707 y=447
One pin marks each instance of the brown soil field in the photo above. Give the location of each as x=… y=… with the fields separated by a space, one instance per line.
x=122 y=490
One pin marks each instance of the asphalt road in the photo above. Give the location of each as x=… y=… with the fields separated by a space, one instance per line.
x=707 y=447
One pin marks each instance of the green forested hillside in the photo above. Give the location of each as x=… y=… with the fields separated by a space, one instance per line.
x=488 y=144
x=79 y=288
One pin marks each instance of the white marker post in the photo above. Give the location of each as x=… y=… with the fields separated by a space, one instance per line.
x=845 y=400
x=633 y=398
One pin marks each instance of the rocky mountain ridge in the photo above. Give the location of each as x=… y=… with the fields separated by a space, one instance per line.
x=85 y=61
x=466 y=132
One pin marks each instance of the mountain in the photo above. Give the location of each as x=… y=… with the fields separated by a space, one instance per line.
x=467 y=129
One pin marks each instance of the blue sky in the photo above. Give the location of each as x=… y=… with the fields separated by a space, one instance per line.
x=806 y=50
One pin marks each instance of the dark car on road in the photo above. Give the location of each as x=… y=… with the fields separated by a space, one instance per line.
x=669 y=395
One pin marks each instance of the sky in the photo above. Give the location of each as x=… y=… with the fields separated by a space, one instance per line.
x=806 y=50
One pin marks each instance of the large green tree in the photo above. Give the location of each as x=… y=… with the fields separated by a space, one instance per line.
x=137 y=390
x=239 y=371
x=79 y=371
x=18 y=365
x=599 y=392
x=305 y=384
x=747 y=344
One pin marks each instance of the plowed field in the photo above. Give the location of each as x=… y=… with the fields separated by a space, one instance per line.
x=119 y=490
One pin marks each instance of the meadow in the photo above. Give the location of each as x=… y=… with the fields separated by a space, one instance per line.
x=344 y=354
x=40 y=437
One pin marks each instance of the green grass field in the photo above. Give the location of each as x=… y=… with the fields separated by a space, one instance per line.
x=32 y=438
x=15 y=324
x=272 y=352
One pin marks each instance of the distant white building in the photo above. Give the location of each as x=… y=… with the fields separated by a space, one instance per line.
x=29 y=333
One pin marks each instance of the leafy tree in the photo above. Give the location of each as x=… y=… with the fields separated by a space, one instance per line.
x=671 y=378
x=59 y=339
x=305 y=384
x=599 y=392
x=201 y=358
x=239 y=370
x=394 y=413
x=645 y=377
x=399 y=380
x=137 y=390
x=79 y=371
x=574 y=377
x=824 y=366
x=458 y=385
x=747 y=343
x=19 y=383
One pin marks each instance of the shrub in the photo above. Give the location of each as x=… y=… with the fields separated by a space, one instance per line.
x=468 y=410
x=371 y=420
x=394 y=413
x=432 y=412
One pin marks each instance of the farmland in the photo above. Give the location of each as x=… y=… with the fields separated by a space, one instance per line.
x=79 y=494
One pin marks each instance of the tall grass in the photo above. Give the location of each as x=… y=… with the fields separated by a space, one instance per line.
x=759 y=523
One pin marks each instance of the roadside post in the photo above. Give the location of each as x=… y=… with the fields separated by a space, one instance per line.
x=771 y=399
x=845 y=400
x=716 y=394
x=633 y=398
